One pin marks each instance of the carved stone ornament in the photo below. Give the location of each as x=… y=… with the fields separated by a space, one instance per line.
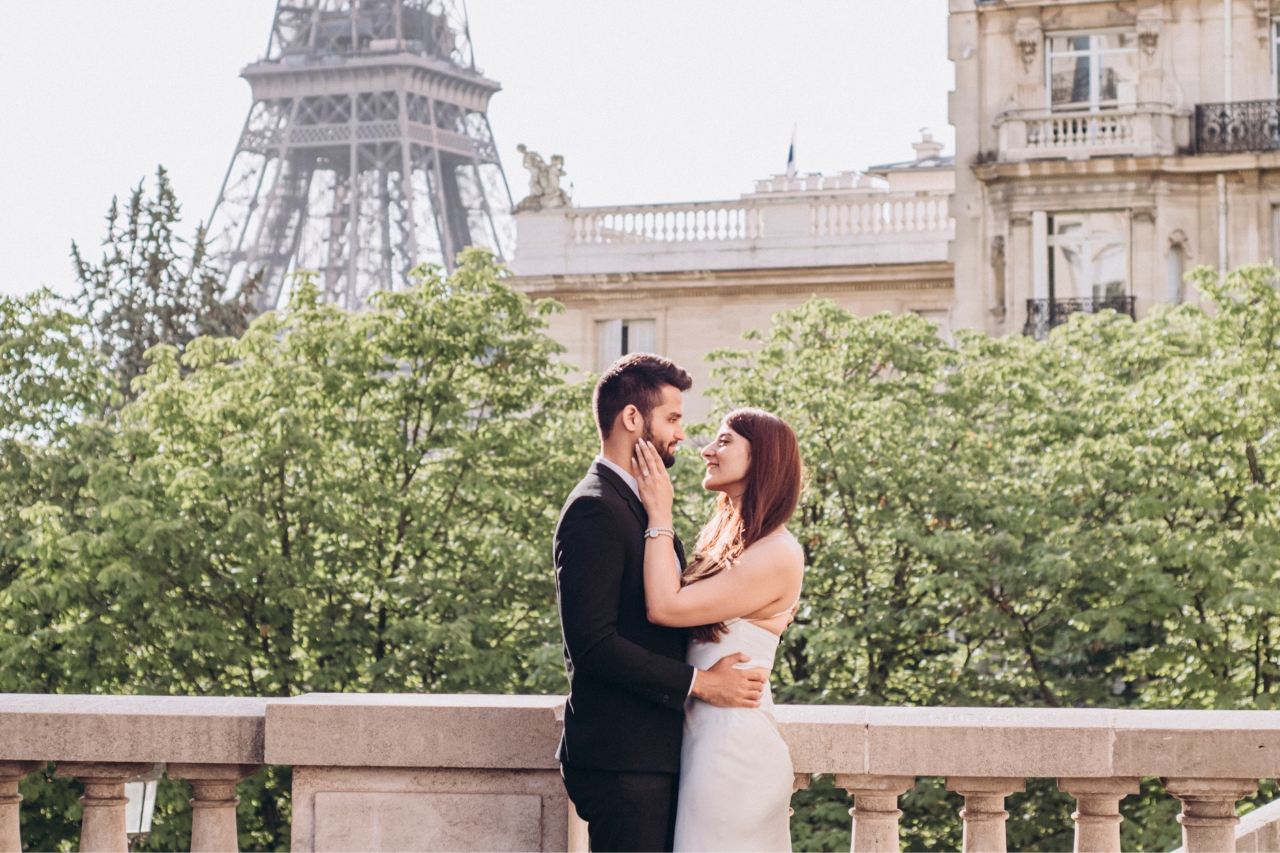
x=544 y=182
x=1149 y=35
x=1262 y=17
x=1028 y=36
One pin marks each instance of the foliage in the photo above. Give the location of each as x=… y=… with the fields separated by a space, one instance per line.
x=152 y=286
x=334 y=501
x=1086 y=521
x=364 y=501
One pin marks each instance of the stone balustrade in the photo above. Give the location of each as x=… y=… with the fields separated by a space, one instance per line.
x=792 y=227
x=396 y=772
x=105 y=741
x=1147 y=131
x=891 y=216
x=665 y=223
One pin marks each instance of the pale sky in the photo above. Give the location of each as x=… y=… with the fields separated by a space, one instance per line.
x=654 y=101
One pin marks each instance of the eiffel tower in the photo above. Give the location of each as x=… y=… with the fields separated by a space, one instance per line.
x=367 y=152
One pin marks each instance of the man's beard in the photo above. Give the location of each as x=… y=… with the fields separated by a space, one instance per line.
x=664 y=453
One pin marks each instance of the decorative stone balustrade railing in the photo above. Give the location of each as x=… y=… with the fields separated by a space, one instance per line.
x=844 y=226
x=1145 y=132
x=665 y=223
x=891 y=216
x=396 y=772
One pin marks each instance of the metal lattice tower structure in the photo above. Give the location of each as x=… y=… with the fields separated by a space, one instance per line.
x=367 y=151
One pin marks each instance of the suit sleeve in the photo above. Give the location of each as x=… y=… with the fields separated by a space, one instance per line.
x=589 y=560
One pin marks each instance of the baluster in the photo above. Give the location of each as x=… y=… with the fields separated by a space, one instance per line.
x=1097 y=813
x=799 y=781
x=102 y=828
x=899 y=217
x=864 y=219
x=11 y=773
x=213 y=808
x=875 y=810
x=983 y=813
x=1209 y=811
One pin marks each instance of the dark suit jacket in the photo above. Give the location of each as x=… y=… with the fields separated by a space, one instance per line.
x=627 y=677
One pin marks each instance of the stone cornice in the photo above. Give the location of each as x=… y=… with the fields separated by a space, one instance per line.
x=1127 y=167
x=938 y=276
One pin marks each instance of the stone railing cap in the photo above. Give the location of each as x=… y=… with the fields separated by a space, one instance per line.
x=190 y=729
x=415 y=730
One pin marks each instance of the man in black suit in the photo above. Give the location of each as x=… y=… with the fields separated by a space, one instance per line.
x=624 y=720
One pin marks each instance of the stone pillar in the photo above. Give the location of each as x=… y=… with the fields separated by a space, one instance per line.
x=983 y=811
x=875 y=810
x=213 y=808
x=1097 y=813
x=102 y=829
x=11 y=773
x=799 y=782
x=1209 y=811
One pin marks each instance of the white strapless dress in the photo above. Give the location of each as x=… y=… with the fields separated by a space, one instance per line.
x=735 y=770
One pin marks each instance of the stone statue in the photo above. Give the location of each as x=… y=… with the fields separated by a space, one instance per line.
x=544 y=182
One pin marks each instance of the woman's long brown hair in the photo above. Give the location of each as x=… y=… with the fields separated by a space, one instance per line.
x=772 y=491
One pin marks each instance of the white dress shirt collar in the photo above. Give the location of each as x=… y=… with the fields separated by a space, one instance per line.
x=621 y=472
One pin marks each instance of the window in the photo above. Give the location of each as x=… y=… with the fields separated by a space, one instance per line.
x=1176 y=264
x=1093 y=71
x=1089 y=255
x=1275 y=57
x=616 y=338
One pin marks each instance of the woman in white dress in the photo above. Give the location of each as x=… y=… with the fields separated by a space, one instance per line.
x=737 y=595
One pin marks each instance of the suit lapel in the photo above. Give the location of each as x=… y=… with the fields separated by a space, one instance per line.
x=611 y=477
x=604 y=472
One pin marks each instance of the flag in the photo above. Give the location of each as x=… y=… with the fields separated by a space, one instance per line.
x=791 y=154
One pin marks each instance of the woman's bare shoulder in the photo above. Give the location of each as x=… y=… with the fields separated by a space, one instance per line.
x=777 y=550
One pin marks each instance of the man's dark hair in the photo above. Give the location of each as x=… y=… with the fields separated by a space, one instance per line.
x=635 y=380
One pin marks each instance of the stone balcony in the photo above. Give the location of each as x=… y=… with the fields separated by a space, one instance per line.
x=424 y=772
x=851 y=219
x=1146 y=131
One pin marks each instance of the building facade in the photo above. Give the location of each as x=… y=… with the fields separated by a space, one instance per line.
x=1106 y=148
x=685 y=279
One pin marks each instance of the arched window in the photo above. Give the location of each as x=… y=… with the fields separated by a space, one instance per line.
x=1177 y=259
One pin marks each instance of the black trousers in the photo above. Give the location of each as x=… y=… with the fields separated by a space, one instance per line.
x=625 y=811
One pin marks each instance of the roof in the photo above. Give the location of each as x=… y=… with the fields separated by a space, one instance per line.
x=948 y=162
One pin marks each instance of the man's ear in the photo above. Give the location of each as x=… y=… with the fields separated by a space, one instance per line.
x=631 y=420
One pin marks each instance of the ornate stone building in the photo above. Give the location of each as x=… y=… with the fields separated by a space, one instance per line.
x=685 y=279
x=1105 y=148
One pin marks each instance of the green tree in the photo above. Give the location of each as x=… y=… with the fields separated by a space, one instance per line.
x=334 y=501
x=1086 y=521
x=153 y=286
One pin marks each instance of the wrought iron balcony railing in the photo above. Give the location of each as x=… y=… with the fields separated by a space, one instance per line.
x=1045 y=314
x=1238 y=126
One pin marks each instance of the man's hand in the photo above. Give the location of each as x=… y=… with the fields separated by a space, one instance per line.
x=728 y=687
